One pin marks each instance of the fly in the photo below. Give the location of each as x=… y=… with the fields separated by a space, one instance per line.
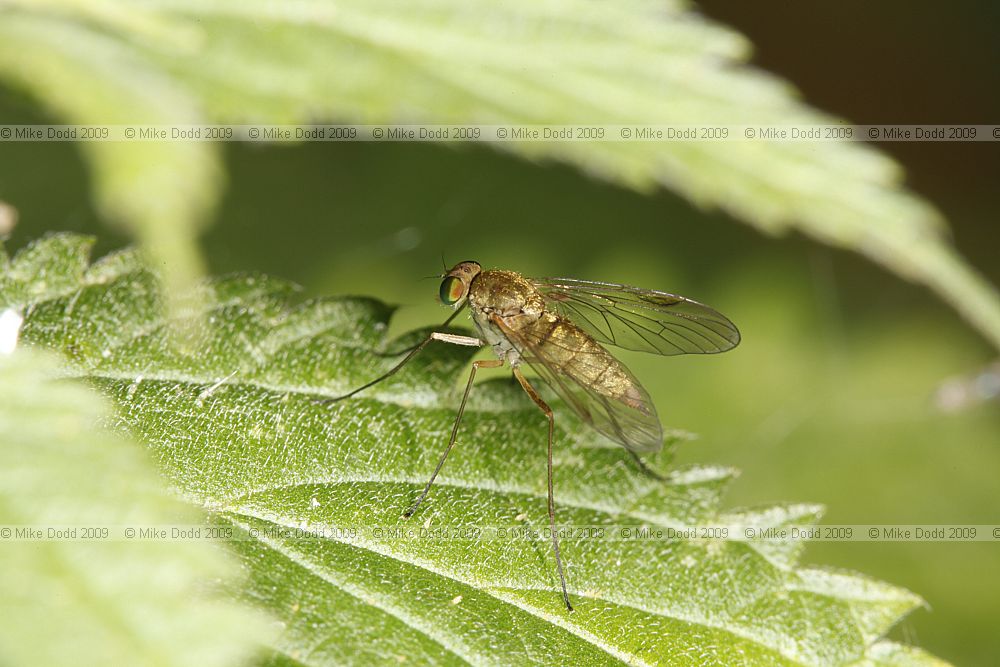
x=559 y=327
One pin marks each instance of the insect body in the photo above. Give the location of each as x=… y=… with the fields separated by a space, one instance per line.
x=559 y=327
x=511 y=313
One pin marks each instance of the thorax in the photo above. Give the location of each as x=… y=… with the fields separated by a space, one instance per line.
x=510 y=296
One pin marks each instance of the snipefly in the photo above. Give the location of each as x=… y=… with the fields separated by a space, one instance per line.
x=559 y=327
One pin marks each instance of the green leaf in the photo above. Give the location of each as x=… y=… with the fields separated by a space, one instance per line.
x=891 y=654
x=73 y=600
x=451 y=61
x=162 y=192
x=236 y=427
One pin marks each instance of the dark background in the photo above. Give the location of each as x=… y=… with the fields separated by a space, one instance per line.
x=828 y=399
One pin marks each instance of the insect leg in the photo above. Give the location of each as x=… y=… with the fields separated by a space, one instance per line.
x=552 y=507
x=413 y=347
x=476 y=365
x=645 y=468
x=444 y=337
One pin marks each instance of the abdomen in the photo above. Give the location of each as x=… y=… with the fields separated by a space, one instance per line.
x=571 y=351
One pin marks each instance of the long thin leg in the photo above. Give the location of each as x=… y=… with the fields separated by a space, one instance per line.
x=476 y=365
x=445 y=337
x=552 y=505
x=396 y=353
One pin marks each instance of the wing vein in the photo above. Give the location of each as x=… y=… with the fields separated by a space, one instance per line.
x=637 y=319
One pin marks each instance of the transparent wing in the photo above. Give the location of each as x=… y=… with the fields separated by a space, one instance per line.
x=628 y=418
x=638 y=319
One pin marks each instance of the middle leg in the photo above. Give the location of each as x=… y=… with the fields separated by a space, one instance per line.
x=543 y=406
x=476 y=365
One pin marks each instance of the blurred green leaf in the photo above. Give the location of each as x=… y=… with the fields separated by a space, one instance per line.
x=443 y=61
x=161 y=191
x=236 y=427
x=98 y=602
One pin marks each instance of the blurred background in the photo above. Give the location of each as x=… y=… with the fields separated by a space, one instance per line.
x=829 y=399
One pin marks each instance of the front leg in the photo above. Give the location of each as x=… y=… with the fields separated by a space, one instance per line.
x=454 y=339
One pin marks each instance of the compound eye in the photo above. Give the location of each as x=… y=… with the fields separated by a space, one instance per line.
x=452 y=291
